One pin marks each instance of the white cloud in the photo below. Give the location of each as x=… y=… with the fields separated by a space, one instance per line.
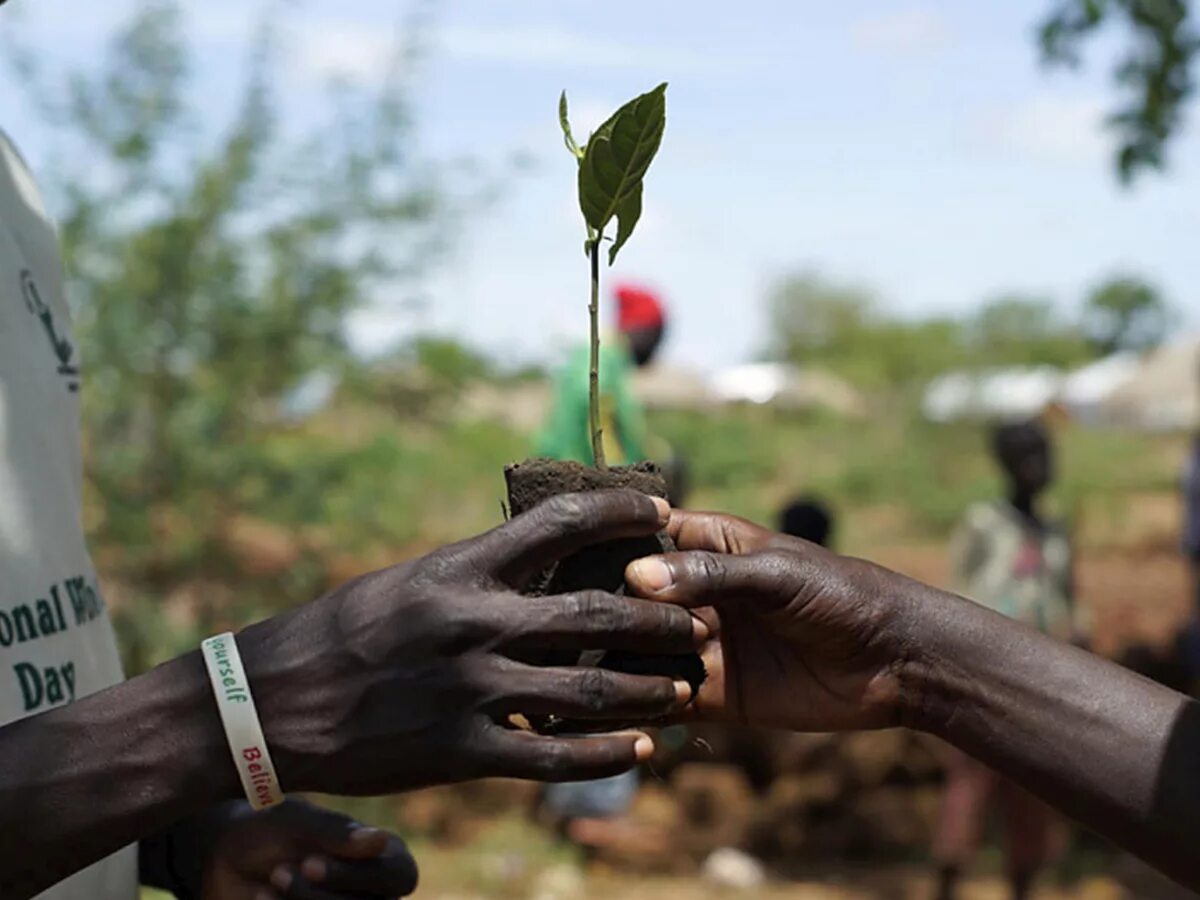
x=905 y=32
x=534 y=45
x=347 y=49
x=343 y=50
x=1048 y=129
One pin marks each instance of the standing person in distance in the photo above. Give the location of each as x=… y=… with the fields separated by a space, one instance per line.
x=1008 y=556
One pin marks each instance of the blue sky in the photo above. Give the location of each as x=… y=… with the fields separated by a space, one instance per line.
x=915 y=148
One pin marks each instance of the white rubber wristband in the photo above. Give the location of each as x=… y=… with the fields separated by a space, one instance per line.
x=242 y=728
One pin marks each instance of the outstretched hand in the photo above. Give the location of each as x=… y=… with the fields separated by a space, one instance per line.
x=408 y=676
x=801 y=638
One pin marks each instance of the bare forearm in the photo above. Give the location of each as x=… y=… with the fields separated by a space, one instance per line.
x=82 y=781
x=1113 y=750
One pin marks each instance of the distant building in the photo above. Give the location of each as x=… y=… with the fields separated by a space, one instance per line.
x=1012 y=393
x=1157 y=391
x=788 y=387
x=1163 y=394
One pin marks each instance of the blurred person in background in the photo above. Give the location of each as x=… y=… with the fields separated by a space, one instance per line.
x=641 y=325
x=1007 y=556
x=1191 y=549
x=807 y=518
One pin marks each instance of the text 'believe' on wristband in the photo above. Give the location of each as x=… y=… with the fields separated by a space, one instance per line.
x=243 y=730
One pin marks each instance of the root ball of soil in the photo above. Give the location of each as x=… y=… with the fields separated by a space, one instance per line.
x=601 y=566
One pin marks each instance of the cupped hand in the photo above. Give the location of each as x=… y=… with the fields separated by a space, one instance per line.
x=297 y=851
x=409 y=676
x=800 y=637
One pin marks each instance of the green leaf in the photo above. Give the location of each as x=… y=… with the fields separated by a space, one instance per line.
x=616 y=159
x=628 y=214
x=568 y=138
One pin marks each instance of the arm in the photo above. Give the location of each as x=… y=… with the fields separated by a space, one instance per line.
x=80 y=782
x=1111 y=749
x=808 y=640
x=399 y=679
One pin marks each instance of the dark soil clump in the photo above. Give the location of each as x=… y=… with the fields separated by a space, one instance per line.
x=601 y=566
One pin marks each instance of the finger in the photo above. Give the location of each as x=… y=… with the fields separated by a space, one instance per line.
x=588 y=620
x=586 y=693
x=336 y=833
x=717 y=532
x=294 y=886
x=393 y=874
x=555 y=529
x=702 y=578
x=522 y=754
x=291 y=885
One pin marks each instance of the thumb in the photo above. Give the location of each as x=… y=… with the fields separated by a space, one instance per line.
x=339 y=835
x=702 y=578
x=363 y=842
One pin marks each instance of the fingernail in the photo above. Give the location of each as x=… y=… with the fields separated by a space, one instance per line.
x=683 y=693
x=651 y=574
x=314 y=868
x=700 y=630
x=364 y=833
x=281 y=877
x=664 y=510
x=643 y=748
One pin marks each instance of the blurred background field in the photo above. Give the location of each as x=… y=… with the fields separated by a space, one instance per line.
x=323 y=262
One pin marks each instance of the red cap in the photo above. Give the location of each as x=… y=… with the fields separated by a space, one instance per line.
x=637 y=308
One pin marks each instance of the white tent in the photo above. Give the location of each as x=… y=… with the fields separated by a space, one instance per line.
x=1163 y=394
x=663 y=386
x=1086 y=390
x=787 y=387
x=1018 y=392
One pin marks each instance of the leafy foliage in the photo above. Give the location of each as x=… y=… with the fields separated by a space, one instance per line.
x=614 y=162
x=1015 y=329
x=210 y=280
x=1125 y=313
x=1155 y=73
x=817 y=322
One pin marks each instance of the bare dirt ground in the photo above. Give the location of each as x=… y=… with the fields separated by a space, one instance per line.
x=522 y=869
x=1134 y=595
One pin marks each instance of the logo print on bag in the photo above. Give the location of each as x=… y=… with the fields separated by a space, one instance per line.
x=63 y=350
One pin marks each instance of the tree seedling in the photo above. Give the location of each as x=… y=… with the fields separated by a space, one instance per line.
x=612 y=165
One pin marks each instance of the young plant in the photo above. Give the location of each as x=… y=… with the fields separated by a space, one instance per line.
x=612 y=165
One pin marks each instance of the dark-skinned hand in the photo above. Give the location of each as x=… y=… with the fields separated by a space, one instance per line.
x=297 y=851
x=801 y=638
x=408 y=676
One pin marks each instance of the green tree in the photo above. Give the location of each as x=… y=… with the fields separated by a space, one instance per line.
x=839 y=327
x=210 y=277
x=1125 y=313
x=812 y=317
x=1015 y=329
x=1154 y=76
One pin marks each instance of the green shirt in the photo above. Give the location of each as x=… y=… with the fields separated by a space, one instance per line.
x=565 y=434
